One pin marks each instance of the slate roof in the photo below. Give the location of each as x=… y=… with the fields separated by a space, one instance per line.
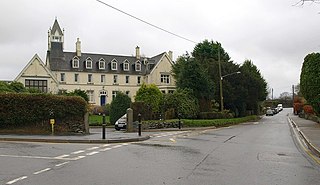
x=62 y=61
x=56 y=27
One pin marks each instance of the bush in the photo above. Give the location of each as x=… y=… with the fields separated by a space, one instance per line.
x=215 y=115
x=119 y=106
x=33 y=110
x=308 y=109
x=218 y=122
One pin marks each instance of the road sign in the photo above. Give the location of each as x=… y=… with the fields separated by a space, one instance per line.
x=51 y=121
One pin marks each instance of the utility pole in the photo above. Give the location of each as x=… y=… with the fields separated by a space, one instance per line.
x=220 y=75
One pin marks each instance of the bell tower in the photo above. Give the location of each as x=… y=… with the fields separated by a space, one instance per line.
x=55 y=35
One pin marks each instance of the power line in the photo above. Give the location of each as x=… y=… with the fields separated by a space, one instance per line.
x=150 y=24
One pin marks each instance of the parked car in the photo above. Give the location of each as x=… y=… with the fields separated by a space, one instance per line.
x=269 y=112
x=275 y=111
x=280 y=107
x=121 y=123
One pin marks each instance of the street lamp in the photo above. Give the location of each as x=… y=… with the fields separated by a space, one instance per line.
x=221 y=77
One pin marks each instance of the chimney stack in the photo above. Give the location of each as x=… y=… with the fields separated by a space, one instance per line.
x=78 y=48
x=138 y=52
x=170 y=53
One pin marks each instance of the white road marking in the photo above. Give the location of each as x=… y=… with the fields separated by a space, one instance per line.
x=173 y=140
x=105 y=149
x=77 y=158
x=106 y=145
x=78 y=152
x=62 y=156
x=32 y=157
x=117 y=146
x=17 y=179
x=41 y=171
x=92 y=153
x=61 y=164
x=93 y=148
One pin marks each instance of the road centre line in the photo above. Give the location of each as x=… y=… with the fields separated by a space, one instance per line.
x=78 y=152
x=17 y=179
x=92 y=153
x=41 y=171
x=62 y=156
x=105 y=149
x=92 y=148
x=33 y=157
x=61 y=164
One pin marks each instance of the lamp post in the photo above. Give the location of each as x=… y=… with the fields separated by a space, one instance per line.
x=221 y=78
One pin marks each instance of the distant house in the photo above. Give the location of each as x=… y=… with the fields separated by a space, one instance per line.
x=100 y=75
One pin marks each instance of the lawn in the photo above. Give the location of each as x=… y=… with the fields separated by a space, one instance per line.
x=96 y=120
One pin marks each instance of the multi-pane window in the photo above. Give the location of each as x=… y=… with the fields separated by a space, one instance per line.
x=127 y=79
x=114 y=94
x=76 y=77
x=90 y=94
x=75 y=62
x=102 y=64
x=115 y=79
x=62 y=77
x=89 y=63
x=114 y=65
x=138 y=66
x=103 y=78
x=138 y=79
x=41 y=85
x=165 y=79
x=126 y=66
x=90 y=78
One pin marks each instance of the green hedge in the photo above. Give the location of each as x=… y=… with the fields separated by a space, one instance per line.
x=33 y=110
x=218 y=122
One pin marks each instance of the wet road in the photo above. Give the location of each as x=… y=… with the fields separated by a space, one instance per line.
x=257 y=153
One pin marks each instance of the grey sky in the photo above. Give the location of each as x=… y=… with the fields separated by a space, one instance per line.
x=274 y=34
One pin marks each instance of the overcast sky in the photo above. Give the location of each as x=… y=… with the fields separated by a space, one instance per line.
x=273 y=34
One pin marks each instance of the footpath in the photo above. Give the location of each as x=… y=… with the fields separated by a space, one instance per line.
x=309 y=132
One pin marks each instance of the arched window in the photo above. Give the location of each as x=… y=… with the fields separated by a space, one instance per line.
x=126 y=65
x=75 y=62
x=114 y=64
x=138 y=66
x=89 y=63
x=102 y=63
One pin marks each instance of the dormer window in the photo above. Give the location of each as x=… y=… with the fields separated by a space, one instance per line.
x=89 y=63
x=75 y=62
x=138 y=66
x=126 y=65
x=114 y=65
x=102 y=64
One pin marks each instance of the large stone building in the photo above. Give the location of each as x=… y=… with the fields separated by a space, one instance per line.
x=100 y=75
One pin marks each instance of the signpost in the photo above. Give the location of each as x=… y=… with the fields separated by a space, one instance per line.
x=52 y=121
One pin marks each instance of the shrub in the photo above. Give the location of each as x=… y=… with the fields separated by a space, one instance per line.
x=33 y=110
x=119 y=106
x=308 y=109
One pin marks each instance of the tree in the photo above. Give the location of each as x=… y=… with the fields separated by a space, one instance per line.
x=190 y=74
x=310 y=80
x=17 y=87
x=183 y=102
x=150 y=95
x=5 y=87
x=78 y=92
x=119 y=106
x=255 y=85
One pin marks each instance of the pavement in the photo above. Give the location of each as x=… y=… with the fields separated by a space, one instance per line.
x=309 y=132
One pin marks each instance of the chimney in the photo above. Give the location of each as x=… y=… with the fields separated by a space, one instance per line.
x=78 y=48
x=138 y=52
x=170 y=53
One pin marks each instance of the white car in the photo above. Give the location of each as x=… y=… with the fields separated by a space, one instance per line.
x=121 y=123
x=280 y=108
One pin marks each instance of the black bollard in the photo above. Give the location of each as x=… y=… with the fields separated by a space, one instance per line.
x=139 y=124
x=179 y=116
x=104 y=126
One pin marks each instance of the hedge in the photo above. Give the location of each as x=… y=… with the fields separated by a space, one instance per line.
x=33 y=110
x=218 y=122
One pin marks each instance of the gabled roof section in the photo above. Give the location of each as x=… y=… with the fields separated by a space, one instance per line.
x=36 y=58
x=56 y=27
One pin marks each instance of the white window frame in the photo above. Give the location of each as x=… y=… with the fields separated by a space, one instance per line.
x=115 y=79
x=76 y=77
x=114 y=65
x=103 y=78
x=114 y=94
x=90 y=78
x=62 y=77
x=102 y=64
x=90 y=94
x=75 y=62
x=165 y=79
x=89 y=63
x=126 y=66
x=138 y=63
